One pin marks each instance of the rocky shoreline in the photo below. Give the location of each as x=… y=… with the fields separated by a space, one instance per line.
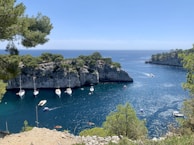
x=172 y=62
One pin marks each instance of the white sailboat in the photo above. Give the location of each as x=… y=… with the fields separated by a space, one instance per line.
x=21 y=92
x=91 y=90
x=35 y=92
x=58 y=92
x=69 y=90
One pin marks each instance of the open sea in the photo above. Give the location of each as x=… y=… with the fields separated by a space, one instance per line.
x=158 y=96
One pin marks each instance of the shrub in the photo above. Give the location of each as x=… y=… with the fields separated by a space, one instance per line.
x=124 y=122
x=94 y=131
x=26 y=127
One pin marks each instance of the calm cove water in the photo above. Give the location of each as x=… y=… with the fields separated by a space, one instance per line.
x=158 y=96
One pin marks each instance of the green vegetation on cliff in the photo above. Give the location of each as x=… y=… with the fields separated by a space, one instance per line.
x=2 y=89
x=13 y=65
x=171 y=58
x=187 y=125
x=188 y=64
x=166 y=55
x=167 y=58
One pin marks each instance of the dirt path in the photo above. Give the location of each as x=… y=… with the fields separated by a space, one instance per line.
x=39 y=136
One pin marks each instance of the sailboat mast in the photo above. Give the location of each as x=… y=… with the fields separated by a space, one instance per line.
x=34 y=83
x=20 y=83
x=37 y=116
x=69 y=78
x=7 y=130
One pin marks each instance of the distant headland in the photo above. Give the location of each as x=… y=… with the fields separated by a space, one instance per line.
x=167 y=58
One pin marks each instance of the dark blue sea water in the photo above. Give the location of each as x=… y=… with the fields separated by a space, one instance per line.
x=158 y=96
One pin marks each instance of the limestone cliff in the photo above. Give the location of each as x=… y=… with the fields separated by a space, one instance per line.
x=168 y=58
x=54 y=75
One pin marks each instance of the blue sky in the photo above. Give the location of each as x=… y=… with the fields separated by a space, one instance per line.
x=116 y=24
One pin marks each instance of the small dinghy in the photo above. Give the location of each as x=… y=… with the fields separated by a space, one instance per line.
x=42 y=103
x=177 y=114
x=46 y=109
x=58 y=127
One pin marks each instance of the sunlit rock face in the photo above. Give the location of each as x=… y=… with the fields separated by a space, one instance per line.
x=52 y=75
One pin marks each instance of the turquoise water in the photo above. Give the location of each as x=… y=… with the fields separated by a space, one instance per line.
x=158 y=96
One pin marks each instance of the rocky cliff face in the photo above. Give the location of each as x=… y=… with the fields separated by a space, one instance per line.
x=170 y=62
x=52 y=75
x=168 y=58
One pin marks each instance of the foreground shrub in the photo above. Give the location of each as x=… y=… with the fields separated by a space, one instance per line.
x=94 y=131
x=124 y=122
x=26 y=127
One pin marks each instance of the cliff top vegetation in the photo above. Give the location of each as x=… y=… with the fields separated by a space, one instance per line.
x=12 y=64
x=170 y=58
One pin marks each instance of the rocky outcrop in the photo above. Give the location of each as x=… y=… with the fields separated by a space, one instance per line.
x=52 y=75
x=168 y=58
x=170 y=62
x=96 y=140
x=44 y=136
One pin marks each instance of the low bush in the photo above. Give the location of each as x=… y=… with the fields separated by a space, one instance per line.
x=94 y=131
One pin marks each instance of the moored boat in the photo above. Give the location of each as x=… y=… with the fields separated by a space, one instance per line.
x=68 y=91
x=42 y=103
x=58 y=127
x=46 y=109
x=58 y=92
x=21 y=92
x=35 y=92
x=92 y=89
x=177 y=114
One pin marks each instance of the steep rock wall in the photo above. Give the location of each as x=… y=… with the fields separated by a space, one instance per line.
x=50 y=75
